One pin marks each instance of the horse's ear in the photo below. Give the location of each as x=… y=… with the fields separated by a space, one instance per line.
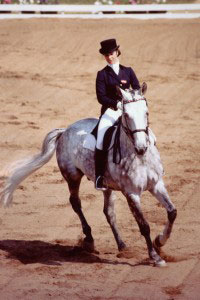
x=119 y=93
x=144 y=88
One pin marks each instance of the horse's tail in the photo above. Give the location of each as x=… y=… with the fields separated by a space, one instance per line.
x=25 y=167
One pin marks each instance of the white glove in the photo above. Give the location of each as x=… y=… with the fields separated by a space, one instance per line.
x=119 y=105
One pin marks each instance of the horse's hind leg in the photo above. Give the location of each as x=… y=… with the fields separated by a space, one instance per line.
x=73 y=176
x=76 y=205
x=109 y=199
x=160 y=192
x=74 y=184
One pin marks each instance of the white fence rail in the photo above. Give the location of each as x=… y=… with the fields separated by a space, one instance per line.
x=108 y=10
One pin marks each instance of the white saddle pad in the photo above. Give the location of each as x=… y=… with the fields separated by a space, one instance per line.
x=89 y=142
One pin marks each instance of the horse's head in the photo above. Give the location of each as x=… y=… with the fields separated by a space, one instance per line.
x=135 y=117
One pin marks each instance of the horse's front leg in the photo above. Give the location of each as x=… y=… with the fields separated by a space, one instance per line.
x=160 y=192
x=109 y=201
x=135 y=207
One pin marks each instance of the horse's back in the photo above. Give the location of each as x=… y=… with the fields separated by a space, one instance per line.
x=86 y=125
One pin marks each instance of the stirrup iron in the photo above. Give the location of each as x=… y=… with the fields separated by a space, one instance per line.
x=99 y=184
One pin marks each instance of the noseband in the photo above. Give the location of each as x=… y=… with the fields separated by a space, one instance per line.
x=127 y=130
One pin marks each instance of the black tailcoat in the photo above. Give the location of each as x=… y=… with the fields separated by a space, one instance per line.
x=106 y=83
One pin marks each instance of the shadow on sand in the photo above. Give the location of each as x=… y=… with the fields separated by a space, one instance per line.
x=30 y=252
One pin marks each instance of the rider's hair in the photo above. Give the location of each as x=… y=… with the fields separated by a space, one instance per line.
x=118 y=52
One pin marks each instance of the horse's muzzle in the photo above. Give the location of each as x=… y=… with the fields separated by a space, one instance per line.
x=140 y=151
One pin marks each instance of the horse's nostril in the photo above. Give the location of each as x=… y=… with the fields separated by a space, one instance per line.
x=141 y=151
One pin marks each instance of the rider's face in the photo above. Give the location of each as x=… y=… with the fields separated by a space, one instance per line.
x=112 y=57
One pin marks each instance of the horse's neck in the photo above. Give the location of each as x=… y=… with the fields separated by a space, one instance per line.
x=126 y=145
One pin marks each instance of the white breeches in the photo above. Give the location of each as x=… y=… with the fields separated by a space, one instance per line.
x=107 y=120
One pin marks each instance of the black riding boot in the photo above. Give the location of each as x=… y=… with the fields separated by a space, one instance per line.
x=100 y=158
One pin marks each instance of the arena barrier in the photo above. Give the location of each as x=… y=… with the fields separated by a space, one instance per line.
x=141 y=11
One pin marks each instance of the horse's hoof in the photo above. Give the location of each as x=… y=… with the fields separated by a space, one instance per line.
x=87 y=246
x=126 y=253
x=160 y=263
x=122 y=247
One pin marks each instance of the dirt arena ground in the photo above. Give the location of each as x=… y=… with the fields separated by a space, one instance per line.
x=47 y=80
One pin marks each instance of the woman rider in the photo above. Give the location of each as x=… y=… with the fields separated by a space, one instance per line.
x=107 y=79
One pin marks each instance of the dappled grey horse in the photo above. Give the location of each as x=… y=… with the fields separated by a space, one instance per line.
x=138 y=168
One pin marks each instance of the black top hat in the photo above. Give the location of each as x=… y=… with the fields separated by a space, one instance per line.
x=108 y=46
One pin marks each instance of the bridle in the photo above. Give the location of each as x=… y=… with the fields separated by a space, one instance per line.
x=127 y=130
x=130 y=133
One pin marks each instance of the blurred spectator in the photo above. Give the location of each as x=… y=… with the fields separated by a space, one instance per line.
x=26 y=1
x=97 y=2
x=6 y=2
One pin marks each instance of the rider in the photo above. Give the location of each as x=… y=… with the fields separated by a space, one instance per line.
x=107 y=79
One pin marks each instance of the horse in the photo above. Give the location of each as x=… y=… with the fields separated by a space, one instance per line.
x=139 y=169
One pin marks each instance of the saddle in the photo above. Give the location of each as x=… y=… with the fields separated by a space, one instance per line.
x=111 y=140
